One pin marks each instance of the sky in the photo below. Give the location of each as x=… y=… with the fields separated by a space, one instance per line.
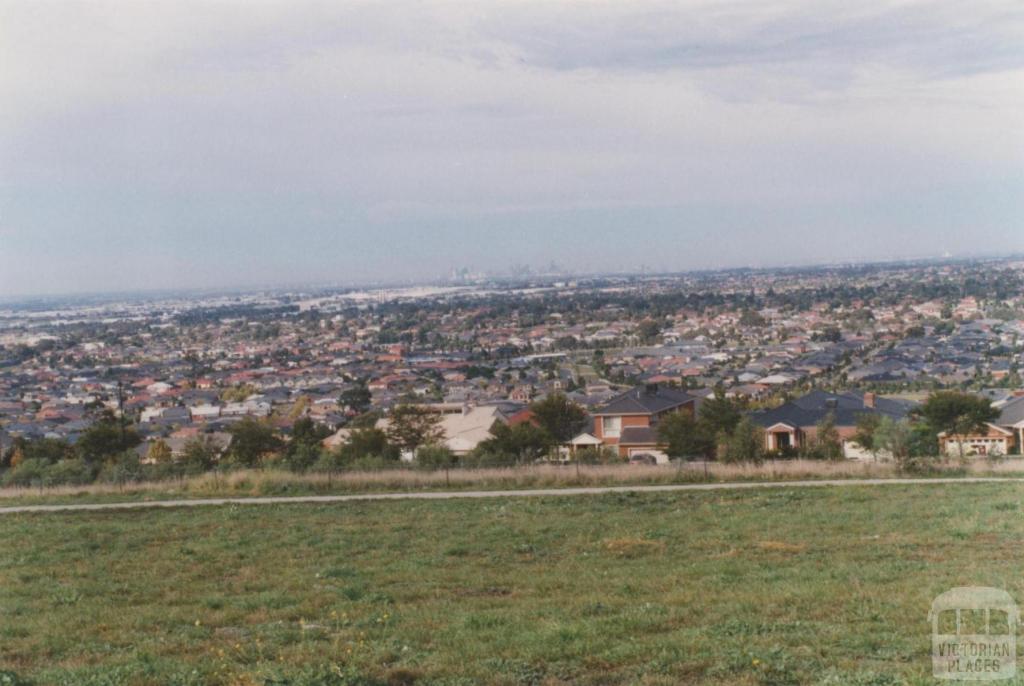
x=212 y=144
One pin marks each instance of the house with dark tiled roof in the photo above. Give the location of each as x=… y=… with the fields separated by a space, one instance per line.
x=628 y=422
x=793 y=425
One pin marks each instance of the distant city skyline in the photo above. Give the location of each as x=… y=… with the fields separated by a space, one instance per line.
x=218 y=145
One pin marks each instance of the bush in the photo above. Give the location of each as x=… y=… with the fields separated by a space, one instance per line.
x=73 y=472
x=597 y=456
x=122 y=469
x=27 y=473
x=488 y=458
x=302 y=457
x=435 y=457
x=372 y=463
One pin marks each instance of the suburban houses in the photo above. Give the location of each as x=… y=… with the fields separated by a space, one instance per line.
x=792 y=425
x=788 y=348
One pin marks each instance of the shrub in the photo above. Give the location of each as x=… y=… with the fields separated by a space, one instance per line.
x=435 y=457
x=73 y=472
x=597 y=456
x=124 y=468
x=26 y=473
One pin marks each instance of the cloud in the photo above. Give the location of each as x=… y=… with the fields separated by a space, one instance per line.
x=184 y=131
x=935 y=37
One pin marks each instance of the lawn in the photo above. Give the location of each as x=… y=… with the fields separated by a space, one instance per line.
x=822 y=585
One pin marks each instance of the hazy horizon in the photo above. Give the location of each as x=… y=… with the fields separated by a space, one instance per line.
x=218 y=145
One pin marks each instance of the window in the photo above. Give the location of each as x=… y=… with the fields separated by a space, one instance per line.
x=611 y=426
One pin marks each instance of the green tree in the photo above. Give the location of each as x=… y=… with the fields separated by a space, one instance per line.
x=560 y=417
x=827 y=443
x=199 y=454
x=892 y=437
x=307 y=432
x=719 y=414
x=304 y=448
x=435 y=457
x=752 y=318
x=251 y=441
x=301 y=456
x=357 y=398
x=685 y=437
x=412 y=426
x=867 y=425
x=368 y=442
x=523 y=442
x=105 y=439
x=745 y=443
x=648 y=331
x=958 y=414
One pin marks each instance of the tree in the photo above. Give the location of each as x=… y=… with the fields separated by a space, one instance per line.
x=237 y=394
x=301 y=456
x=368 y=442
x=159 y=452
x=893 y=437
x=199 y=454
x=867 y=425
x=17 y=456
x=684 y=436
x=958 y=414
x=752 y=318
x=522 y=442
x=719 y=414
x=251 y=441
x=827 y=443
x=560 y=417
x=745 y=444
x=830 y=334
x=306 y=432
x=106 y=438
x=648 y=331
x=435 y=457
x=414 y=425
x=357 y=398
x=299 y=408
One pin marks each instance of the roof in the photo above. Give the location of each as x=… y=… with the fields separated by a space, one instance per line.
x=638 y=435
x=812 y=408
x=1012 y=412
x=644 y=401
x=585 y=439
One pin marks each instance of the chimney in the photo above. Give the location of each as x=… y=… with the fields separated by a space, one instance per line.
x=869 y=400
x=651 y=389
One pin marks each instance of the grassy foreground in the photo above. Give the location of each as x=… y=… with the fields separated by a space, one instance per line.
x=790 y=586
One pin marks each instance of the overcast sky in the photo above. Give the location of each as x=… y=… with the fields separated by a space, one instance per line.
x=174 y=144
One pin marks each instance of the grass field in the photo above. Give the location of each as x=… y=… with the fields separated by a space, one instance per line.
x=826 y=585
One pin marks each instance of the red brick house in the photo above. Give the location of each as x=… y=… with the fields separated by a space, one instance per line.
x=628 y=422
